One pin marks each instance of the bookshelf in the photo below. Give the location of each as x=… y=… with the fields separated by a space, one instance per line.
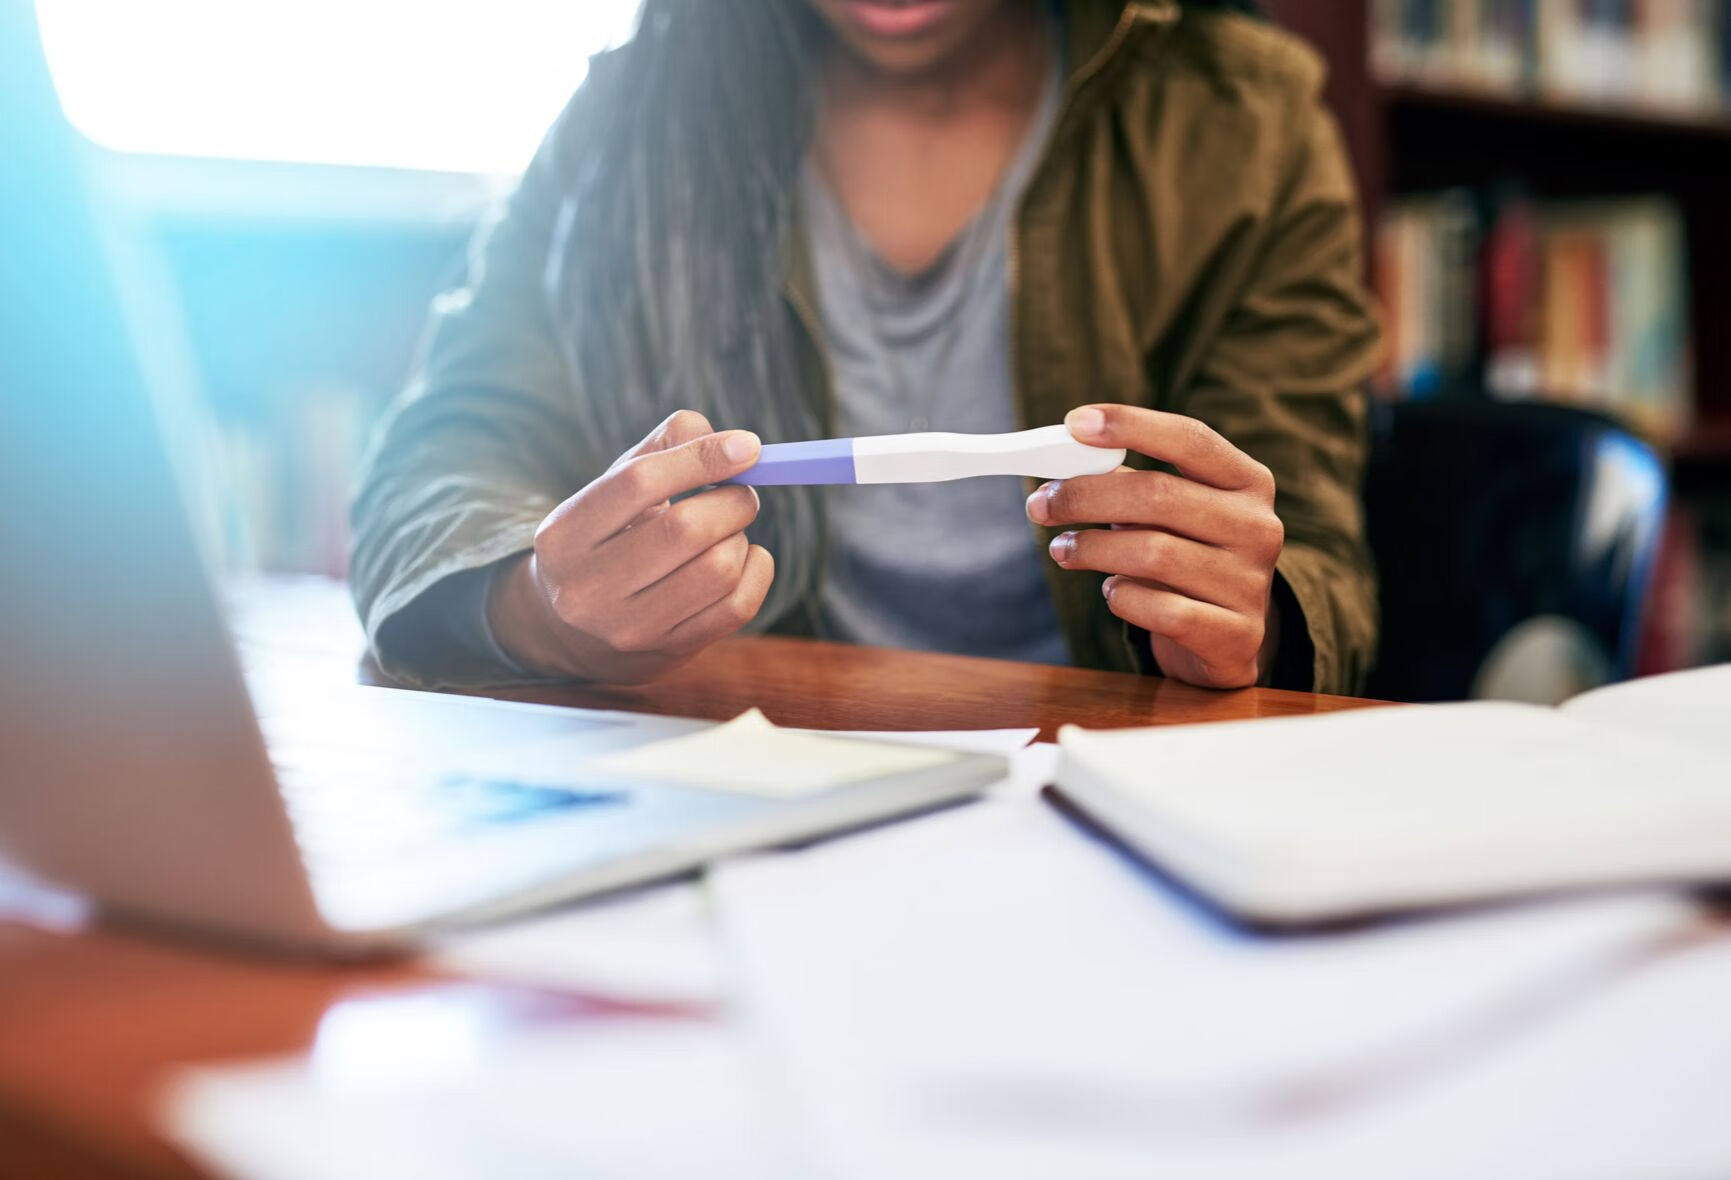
x=1414 y=137
x=1573 y=151
x=1562 y=117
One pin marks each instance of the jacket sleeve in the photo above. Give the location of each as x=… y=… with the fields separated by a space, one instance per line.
x=1284 y=381
x=479 y=447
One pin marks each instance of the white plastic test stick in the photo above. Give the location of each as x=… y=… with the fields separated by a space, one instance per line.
x=1049 y=452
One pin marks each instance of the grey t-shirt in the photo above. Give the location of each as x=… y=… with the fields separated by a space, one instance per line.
x=947 y=566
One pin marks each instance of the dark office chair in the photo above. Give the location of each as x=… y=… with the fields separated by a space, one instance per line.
x=1485 y=515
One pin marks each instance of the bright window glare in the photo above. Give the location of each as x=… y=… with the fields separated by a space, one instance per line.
x=453 y=87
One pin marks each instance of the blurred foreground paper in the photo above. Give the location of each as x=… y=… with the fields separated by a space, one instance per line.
x=628 y=1099
x=650 y=946
x=750 y=754
x=993 y=993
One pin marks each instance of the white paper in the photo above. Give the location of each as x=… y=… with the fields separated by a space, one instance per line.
x=992 y=992
x=656 y=945
x=1003 y=742
x=752 y=756
x=624 y=1099
x=1693 y=706
x=1030 y=770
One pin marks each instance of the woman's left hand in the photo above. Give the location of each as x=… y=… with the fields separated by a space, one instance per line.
x=1191 y=556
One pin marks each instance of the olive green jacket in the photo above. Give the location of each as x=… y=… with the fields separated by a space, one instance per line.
x=1189 y=241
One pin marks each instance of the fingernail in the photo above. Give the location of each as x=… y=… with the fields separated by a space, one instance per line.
x=1086 y=422
x=1039 y=504
x=740 y=446
x=1106 y=588
x=1062 y=546
x=755 y=498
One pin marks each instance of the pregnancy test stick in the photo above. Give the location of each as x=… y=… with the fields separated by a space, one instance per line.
x=1047 y=453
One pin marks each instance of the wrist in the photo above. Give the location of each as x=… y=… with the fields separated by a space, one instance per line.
x=522 y=620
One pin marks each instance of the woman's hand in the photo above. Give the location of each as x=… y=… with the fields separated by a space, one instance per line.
x=623 y=585
x=1191 y=555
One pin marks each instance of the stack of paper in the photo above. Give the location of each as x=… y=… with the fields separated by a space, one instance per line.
x=992 y=993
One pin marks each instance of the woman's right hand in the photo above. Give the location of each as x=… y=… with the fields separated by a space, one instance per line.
x=623 y=585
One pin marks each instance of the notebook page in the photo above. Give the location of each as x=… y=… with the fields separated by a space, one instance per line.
x=1693 y=706
x=1332 y=815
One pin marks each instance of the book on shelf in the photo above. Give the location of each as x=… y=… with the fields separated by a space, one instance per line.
x=1581 y=302
x=1476 y=45
x=1667 y=55
x=1427 y=270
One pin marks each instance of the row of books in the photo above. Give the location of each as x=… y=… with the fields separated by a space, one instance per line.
x=278 y=482
x=1671 y=55
x=1583 y=302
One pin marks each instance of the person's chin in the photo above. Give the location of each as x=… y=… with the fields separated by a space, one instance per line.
x=901 y=59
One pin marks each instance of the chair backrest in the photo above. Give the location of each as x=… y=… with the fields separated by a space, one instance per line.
x=1484 y=516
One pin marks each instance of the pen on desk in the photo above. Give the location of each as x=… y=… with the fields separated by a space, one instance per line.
x=1049 y=452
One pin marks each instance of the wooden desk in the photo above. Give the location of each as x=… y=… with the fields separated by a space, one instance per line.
x=815 y=685
x=91 y=1023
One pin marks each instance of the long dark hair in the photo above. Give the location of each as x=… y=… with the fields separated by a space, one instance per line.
x=682 y=155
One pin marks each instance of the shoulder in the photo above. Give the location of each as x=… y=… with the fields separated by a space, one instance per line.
x=1227 y=99
x=1226 y=110
x=1240 y=59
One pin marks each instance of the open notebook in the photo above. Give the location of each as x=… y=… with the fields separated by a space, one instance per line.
x=1305 y=820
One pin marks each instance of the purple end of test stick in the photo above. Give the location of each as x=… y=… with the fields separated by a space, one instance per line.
x=826 y=461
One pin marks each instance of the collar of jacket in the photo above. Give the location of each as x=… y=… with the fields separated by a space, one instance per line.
x=1096 y=34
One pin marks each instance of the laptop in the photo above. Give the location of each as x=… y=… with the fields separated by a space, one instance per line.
x=135 y=766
